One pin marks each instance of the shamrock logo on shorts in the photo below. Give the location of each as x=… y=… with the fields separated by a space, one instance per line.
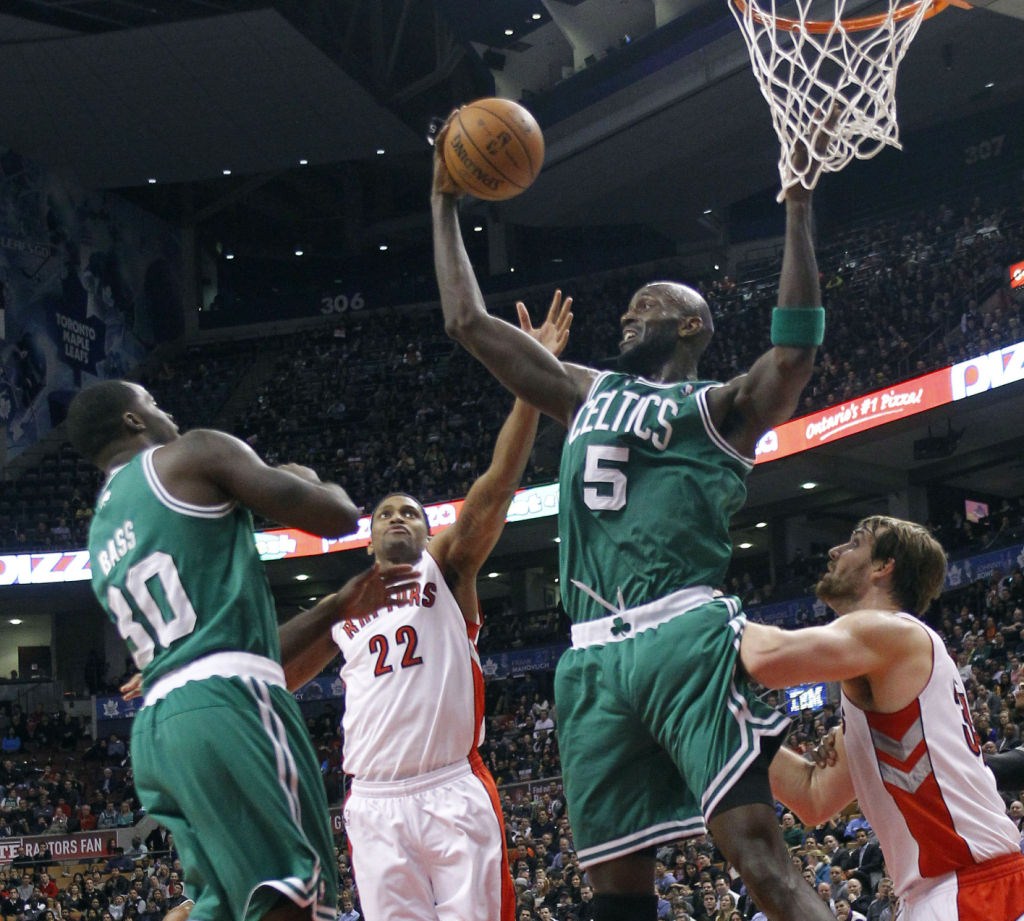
x=620 y=627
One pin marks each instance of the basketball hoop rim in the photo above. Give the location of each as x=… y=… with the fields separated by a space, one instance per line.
x=855 y=23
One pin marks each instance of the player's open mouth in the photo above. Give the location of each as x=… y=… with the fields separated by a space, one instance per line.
x=629 y=335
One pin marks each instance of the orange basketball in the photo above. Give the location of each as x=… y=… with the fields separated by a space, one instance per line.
x=494 y=149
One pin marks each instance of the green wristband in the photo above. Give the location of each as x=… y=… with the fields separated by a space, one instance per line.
x=800 y=327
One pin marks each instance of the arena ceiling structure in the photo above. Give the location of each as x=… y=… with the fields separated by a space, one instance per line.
x=260 y=123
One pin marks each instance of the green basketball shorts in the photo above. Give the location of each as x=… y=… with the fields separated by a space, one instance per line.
x=655 y=725
x=227 y=766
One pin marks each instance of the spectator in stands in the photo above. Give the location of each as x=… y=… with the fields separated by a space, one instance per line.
x=73 y=903
x=348 y=910
x=33 y=906
x=792 y=831
x=855 y=895
x=885 y=905
x=138 y=850
x=116 y=750
x=110 y=786
x=11 y=742
x=125 y=815
x=117 y=883
x=108 y=817
x=59 y=823
x=86 y=820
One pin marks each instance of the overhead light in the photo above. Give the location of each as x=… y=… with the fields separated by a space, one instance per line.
x=383 y=247
x=511 y=268
x=15 y=621
x=808 y=485
x=380 y=151
x=989 y=85
x=707 y=210
x=226 y=172
x=229 y=255
x=301 y=577
x=151 y=180
x=303 y=162
x=311 y=598
x=746 y=545
x=716 y=266
x=478 y=228
x=535 y=17
x=558 y=540
x=555 y=580
x=761 y=524
x=298 y=252
x=493 y=575
x=510 y=31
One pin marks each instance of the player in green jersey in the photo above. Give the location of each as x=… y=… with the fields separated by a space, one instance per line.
x=660 y=734
x=175 y=565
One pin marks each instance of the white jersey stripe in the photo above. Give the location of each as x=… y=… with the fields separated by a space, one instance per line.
x=177 y=505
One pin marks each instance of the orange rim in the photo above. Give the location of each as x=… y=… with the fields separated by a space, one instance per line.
x=857 y=23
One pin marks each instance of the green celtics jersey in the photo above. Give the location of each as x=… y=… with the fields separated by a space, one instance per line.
x=180 y=581
x=647 y=489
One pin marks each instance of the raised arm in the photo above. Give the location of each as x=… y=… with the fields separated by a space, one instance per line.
x=207 y=467
x=769 y=393
x=522 y=365
x=462 y=549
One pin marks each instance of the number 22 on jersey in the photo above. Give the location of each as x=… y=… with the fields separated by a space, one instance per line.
x=404 y=636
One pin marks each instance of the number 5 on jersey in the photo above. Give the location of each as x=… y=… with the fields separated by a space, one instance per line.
x=600 y=468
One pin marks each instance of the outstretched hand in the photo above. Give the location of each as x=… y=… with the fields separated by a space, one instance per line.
x=805 y=165
x=553 y=333
x=374 y=588
x=443 y=183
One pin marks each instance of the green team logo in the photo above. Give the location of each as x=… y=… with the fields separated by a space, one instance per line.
x=620 y=627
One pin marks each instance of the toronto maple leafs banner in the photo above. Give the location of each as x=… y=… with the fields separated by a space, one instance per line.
x=88 y=284
x=520 y=661
x=114 y=708
x=984 y=565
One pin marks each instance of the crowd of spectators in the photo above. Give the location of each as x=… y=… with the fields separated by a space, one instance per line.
x=382 y=401
x=60 y=770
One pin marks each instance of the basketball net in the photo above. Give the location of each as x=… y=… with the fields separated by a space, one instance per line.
x=810 y=68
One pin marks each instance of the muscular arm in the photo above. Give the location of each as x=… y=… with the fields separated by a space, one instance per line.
x=462 y=549
x=522 y=365
x=851 y=647
x=813 y=793
x=207 y=467
x=466 y=544
x=768 y=394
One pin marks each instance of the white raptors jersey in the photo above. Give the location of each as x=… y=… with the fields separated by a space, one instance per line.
x=922 y=784
x=414 y=694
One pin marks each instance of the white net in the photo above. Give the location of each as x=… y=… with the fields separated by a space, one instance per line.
x=814 y=71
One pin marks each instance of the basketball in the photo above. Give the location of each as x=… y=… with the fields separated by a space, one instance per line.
x=494 y=149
